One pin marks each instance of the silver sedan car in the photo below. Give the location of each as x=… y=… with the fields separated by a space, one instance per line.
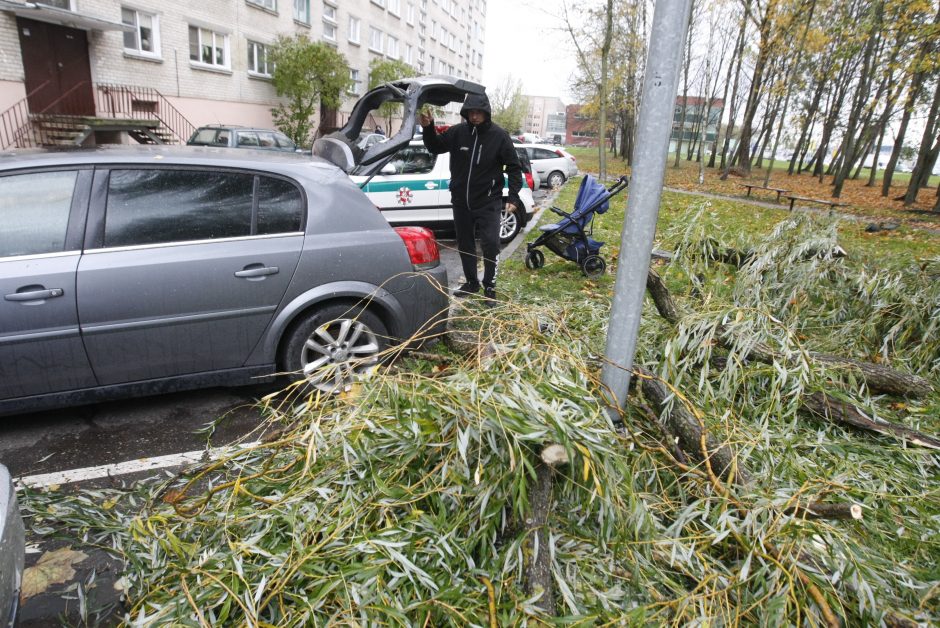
x=142 y=270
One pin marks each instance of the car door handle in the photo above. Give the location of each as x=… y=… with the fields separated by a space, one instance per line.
x=35 y=295
x=250 y=272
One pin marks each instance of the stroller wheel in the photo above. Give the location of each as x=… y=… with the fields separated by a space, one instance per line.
x=593 y=266
x=534 y=259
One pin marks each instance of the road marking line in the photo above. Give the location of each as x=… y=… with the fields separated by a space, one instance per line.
x=139 y=465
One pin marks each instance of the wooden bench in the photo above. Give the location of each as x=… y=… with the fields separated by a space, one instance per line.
x=755 y=186
x=830 y=203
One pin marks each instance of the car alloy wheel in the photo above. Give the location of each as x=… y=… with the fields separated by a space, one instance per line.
x=556 y=179
x=335 y=346
x=509 y=226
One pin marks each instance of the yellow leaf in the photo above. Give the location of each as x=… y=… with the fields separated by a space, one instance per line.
x=53 y=568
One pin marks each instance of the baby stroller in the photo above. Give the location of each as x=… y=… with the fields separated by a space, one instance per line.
x=570 y=237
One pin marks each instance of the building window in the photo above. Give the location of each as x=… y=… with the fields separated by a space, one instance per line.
x=409 y=54
x=329 y=12
x=271 y=5
x=258 y=59
x=208 y=47
x=329 y=31
x=302 y=11
x=60 y=4
x=381 y=3
x=355 y=83
x=353 y=30
x=410 y=14
x=391 y=47
x=375 y=39
x=145 y=38
x=394 y=7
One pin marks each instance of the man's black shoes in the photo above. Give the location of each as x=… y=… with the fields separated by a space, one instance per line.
x=489 y=297
x=467 y=289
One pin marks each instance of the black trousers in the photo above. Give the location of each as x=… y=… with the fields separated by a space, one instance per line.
x=482 y=222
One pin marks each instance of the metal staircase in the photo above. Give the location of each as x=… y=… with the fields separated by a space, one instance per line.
x=121 y=111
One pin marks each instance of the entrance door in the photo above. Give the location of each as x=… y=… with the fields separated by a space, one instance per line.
x=55 y=62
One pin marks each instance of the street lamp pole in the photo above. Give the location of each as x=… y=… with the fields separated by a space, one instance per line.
x=664 y=62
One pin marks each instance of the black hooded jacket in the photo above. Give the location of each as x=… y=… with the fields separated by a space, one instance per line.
x=478 y=155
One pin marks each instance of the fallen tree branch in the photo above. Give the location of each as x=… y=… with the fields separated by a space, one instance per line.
x=822 y=405
x=691 y=433
x=824 y=510
x=538 y=568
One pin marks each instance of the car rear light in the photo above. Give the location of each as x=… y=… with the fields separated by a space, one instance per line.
x=561 y=154
x=421 y=245
x=530 y=181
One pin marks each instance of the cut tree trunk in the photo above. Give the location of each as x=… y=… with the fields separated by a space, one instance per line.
x=538 y=569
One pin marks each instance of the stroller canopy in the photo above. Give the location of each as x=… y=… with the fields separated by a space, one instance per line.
x=592 y=197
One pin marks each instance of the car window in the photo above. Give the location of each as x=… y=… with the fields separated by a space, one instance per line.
x=223 y=138
x=266 y=139
x=283 y=141
x=34 y=211
x=280 y=206
x=541 y=153
x=204 y=136
x=247 y=138
x=414 y=160
x=153 y=206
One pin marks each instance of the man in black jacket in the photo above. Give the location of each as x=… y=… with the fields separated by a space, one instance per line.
x=479 y=151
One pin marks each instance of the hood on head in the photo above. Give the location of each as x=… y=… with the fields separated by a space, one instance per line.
x=476 y=101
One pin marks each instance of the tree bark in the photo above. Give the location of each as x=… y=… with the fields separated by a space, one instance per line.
x=823 y=510
x=692 y=437
x=538 y=570
x=822 y=405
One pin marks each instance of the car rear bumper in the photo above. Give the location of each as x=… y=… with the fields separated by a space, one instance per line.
x=427 y=311
x=12 y=550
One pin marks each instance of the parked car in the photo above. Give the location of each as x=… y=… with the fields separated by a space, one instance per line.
x=241 y=137
x=137 y=270
x=530 y=138
x=532 y=180
x=553 y=165
x=12 y=550
x=413 y=189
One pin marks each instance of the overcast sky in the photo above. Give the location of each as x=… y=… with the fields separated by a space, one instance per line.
x=527 y=43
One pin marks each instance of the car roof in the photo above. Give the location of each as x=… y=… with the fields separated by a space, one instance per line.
x=156 y=154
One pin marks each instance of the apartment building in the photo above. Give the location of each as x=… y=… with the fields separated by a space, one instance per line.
x=544 y=115
x=208 y=60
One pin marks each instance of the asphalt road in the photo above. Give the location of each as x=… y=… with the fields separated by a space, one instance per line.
x=79 y=447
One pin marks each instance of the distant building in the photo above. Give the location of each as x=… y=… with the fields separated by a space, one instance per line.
x=542 y=112
x=582 y=129
x=696 y=110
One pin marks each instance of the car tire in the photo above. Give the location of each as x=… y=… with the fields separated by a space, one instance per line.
x=334 y=346
x=509 y=226
x=556 y=179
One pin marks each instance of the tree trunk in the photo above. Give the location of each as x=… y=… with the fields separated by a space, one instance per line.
x=538 y=570
x=739 y=55
x=859 y=101
x=822 y=405
x=923 y=154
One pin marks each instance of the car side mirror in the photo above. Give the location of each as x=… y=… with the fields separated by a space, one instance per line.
x=388 y=169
